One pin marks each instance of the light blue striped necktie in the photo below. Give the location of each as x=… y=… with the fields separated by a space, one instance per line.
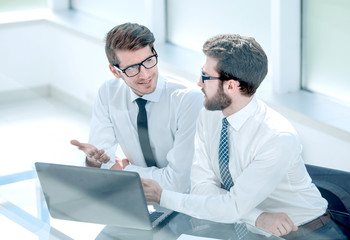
x=224 y=157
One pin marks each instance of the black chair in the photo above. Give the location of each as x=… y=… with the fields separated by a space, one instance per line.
x=334 y=186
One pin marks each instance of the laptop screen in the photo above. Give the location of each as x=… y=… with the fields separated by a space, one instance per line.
x=94 y=195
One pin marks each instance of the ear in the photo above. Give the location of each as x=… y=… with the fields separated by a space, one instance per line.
x=115 y=72
x=231 y=85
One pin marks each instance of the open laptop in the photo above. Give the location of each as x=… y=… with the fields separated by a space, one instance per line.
x=95 y=195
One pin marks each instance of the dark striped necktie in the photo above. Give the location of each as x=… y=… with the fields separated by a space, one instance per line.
x=240 y=228
x=224 y=157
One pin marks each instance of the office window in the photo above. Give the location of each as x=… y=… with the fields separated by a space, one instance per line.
x=15 y=5
x=326 y=48
x=116 y=11
x=190 y=23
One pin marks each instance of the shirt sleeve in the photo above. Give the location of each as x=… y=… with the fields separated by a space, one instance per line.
x=251 y=216
x=102 y=134
x=176 y=175
x=251 y=188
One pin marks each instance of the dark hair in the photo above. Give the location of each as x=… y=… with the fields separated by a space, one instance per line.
x=238 y=57
x=127 y=36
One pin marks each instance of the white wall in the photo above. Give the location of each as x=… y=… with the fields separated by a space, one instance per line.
x=23 y=55
x=248 y=18
x=150 y=13
x=78 y=65
x=41 y=53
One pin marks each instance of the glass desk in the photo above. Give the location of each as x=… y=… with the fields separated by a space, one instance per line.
x=24 y=215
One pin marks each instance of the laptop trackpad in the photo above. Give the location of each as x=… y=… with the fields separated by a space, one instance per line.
x=157 y=213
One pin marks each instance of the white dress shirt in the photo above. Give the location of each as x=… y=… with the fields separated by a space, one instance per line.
x=266 y=166
x=172 y=112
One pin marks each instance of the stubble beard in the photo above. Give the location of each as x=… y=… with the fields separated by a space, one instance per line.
x=219 y=101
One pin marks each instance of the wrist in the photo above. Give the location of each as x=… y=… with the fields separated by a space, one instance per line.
x=160 y=192
x=92 y=163
x=125 y=163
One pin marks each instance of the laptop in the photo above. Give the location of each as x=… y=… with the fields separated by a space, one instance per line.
x=95 y=195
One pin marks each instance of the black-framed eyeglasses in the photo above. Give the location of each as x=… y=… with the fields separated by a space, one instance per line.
x=206 y=77
x=133 y=70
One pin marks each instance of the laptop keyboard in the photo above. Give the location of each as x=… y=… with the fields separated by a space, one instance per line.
x=155 y=215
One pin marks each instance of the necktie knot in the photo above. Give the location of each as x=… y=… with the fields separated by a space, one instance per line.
x=141 y=102
x=224 y=123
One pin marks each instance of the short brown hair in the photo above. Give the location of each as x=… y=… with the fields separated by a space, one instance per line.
x=240 y=57
x=127 y=36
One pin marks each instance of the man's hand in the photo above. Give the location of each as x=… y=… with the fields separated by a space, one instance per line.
x=152 y=190
x=94 y=156
x=278 y=224
x=120 y=164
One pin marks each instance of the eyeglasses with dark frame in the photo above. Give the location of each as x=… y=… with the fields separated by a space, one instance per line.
x=133 y=70
x=206 y=77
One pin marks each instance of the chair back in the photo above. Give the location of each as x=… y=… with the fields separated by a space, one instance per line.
x=334 y=186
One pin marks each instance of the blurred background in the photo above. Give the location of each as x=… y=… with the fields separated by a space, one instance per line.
x=52 y=63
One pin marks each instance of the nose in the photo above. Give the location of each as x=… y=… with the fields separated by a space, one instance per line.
x=143 y=72
x=200 y=82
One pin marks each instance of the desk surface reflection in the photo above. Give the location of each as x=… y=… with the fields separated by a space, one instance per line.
x=24 y=215
x=179 y=224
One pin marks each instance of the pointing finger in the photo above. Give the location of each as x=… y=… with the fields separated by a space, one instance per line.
x=75 y=143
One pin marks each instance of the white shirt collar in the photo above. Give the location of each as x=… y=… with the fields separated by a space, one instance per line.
x=237 y=119
x=155 y=95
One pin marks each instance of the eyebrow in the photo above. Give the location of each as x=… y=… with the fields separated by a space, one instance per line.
x=139 y=62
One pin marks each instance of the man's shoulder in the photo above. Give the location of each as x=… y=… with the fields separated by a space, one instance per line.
x=274 y=122
x=114 y=82
x=175 y=83
x=112 y=89
x=181 y=95
x=113 y=85
x=179 y=88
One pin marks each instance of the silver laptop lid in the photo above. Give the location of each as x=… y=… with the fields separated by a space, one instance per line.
x=94 y=195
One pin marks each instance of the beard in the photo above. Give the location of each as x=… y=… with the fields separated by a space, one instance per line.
x=219 y=101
